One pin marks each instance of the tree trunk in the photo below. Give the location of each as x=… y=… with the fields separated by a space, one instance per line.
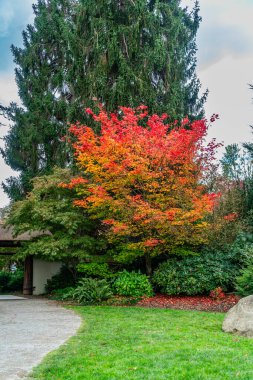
x=148 y=264
x=28 y=276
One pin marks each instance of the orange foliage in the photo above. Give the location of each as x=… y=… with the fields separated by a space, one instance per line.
x=142 y=177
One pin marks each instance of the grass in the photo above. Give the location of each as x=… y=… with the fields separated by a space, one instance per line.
x=132 y=343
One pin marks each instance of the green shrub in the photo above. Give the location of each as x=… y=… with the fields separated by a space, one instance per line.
x=11 y=281
x=95 y=270
x=4 y=262
x=62 y=294
x=16 y=280
x=132 y=284
x=192 y=275
x=241 y=250
x=244 y=282
x=4 y=280
x=61 y=280
x=91 y=291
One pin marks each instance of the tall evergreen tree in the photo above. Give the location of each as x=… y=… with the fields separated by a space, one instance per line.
x=32 y=145
x=122 y=52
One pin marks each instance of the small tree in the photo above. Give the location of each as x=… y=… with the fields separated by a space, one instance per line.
x=233 y=212
x=67 y=234
x=144 y=184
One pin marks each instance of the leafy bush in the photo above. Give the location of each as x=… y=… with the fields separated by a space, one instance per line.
x=61 y=280
x=4 y=262
x=217 y=294
x=244 y=282
x=192 y=275
x=96 y=270
x=91 y=291
x=62 y=294
x=16 y=280
x=241 y=250
x=11 y=281
x=4 y=280
x=132 y=284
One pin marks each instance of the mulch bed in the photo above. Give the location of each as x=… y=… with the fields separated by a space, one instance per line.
x=202 y=303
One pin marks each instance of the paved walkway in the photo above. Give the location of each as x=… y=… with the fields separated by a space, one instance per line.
x=29 y=329
x=7 y=297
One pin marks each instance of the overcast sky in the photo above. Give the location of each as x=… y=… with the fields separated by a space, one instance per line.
x=225 y=64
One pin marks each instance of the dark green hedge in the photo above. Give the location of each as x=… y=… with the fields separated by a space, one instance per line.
x=193 y=275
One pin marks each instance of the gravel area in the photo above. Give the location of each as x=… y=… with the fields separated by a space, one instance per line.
x=29 y=330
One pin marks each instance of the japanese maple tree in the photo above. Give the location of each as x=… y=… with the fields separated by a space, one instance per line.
x=143 y=178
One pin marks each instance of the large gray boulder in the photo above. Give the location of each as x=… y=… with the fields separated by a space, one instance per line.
x=239 y=319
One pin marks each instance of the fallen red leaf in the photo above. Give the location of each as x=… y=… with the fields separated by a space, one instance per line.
x=204 y=303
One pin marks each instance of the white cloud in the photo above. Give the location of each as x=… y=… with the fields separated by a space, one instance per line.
x=228 y=81
x=226 y=29
x=8 y=88
x=8 y=93
x=225 y=57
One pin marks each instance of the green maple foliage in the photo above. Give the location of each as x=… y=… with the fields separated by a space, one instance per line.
x=66 y=233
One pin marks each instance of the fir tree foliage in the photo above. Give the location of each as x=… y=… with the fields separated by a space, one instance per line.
x=121 y=52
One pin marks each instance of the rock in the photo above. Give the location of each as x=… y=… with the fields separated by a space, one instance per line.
x=239 y=319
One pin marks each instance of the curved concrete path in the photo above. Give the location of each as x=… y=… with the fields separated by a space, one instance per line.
x=29 y=329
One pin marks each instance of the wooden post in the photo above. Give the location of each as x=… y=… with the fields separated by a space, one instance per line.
x=28 y=276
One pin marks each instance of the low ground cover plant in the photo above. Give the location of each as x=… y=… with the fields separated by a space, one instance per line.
x=62 y=294
x=91 y=291
x=217 y=293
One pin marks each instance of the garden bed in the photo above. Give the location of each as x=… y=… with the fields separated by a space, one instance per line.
x=203 y=303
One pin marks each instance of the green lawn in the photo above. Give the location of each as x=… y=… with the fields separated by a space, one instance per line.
x=134 y=343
